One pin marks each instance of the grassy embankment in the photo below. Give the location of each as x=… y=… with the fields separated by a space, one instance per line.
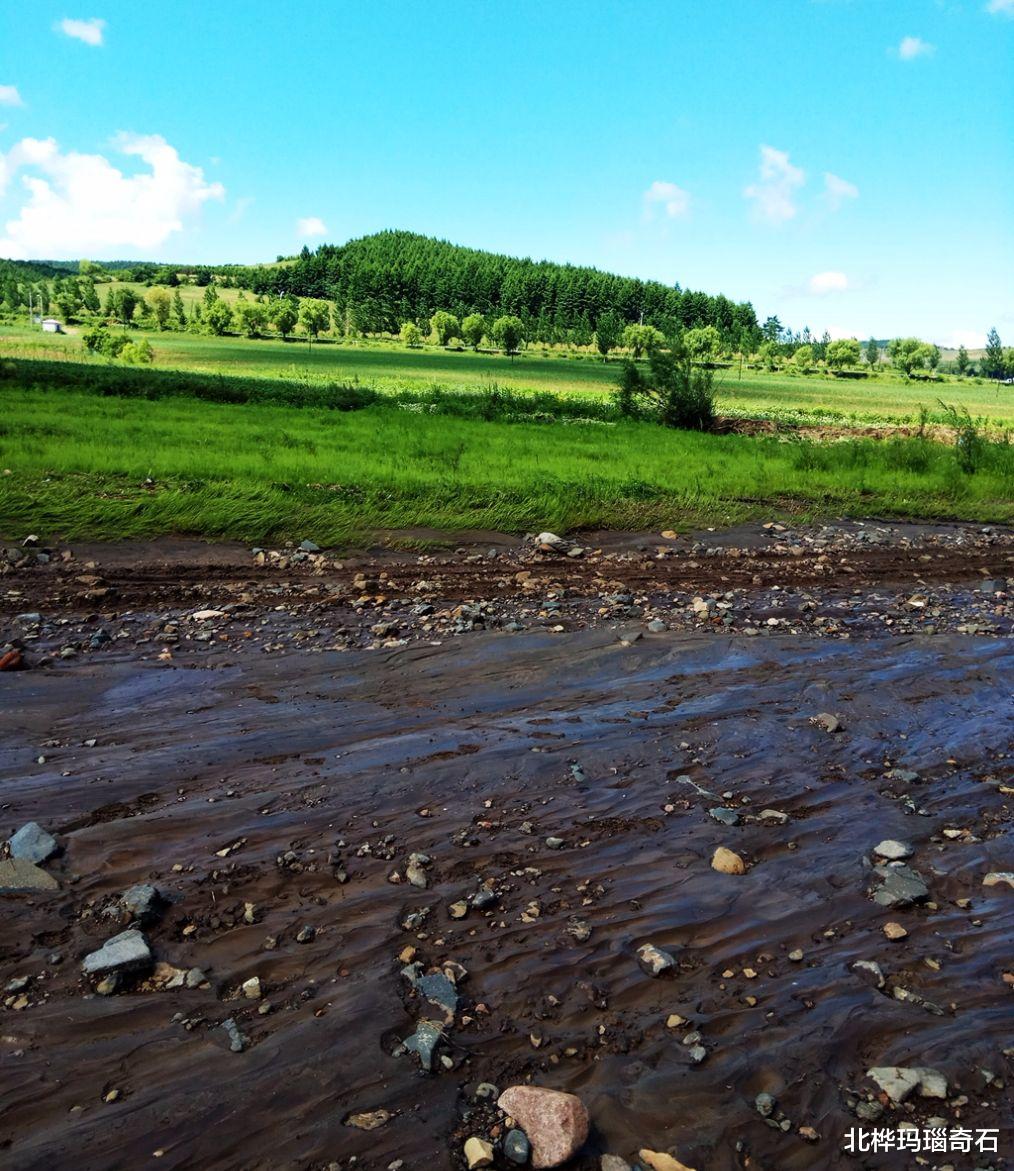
x=273 y=458
x=387 y=365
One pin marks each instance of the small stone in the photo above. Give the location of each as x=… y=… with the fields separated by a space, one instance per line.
x=251 y=988
x=724 y=816
x=898 y=1082
x=808 y=1134
x=555 y=843
x=656 y=626
x=773 y=816
x=894 y=851
x=901 y=886
x=306 y=934
x=996 y=877
x=237 y=1041
x=764 y=1104
x=894 y=931
x=516 y=1146
x=458 y=910
x=309 y=547
x=556 y=1123
x=727 y=862
x=423 y=1042
x=141 y=902
x=478 y=1152
x=32 y=844
x=613 y=1163
x=796 y=955
x=368 y=1120
x=827 y=721
x=654 y=960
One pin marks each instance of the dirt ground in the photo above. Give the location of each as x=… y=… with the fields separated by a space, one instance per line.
x=566 y=735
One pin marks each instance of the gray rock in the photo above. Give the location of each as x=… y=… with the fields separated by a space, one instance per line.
x=773 y=816
x=898 y=1082
x=32 y=844
x=17 y=874
x=237 y=1041
x=613 y=1163
x=423 y=1042
x=724 y=816
x=516 y=1147
x=141 y=902
x=309 y=547
x=894 y=851
x=126 y=952
x=555 y=843
x=901 y=886
x=764 y=1104
x=657 y=626
x=435 y=987
x=415 y=871
x=654 y=960
x=871 y=971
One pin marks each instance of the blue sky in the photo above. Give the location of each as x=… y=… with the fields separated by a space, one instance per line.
x=846 y=164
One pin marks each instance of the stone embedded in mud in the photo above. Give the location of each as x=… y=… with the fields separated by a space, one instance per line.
x=613 y=1163
x=724 y=816
x=996 y=877
x=555 y=1122
x=516 y=1147
x=32 y=844
x=893 y=850
x=898 y=1082
x=478 y=1152
x=423 y=1042
x=368 y=1119
x=894 y=931
x=237 y=1040
x=654 y=960
x=827 y=721
x=727 y=862
x=901 y=886
x=660 y=1161
x=17 y=874
x=765 y=1104
x=141 y=902
x=123 y=954
x=415 y=871
x=871 y=971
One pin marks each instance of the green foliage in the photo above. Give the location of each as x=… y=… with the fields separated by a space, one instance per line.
x=803 y=357
x=993 y=365
x=160 y=304
x=285 y=315
x=673 y=391
x=703 y=344
x=138 y=352
x=843 y=353
x=251 y=317
x=508 y=332
x=473 y=329
x=445 y=327
x=608 y=332
x=315 y=317
x=179 y=314
x=961 y=362
x=909 y=353
x=643 y=339
x=872 y=354
x=122 y=304
x=411 y=334
x=217 y=314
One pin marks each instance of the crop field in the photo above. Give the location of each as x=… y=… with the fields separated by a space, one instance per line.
x=389 y=365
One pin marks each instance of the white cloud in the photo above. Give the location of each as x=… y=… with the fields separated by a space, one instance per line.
x=822 y=283
x=89 y=31
x=774 y=192
x=837 y=190
x=82 y=205
x=1003 y=7
x=912 y=47
x=971 y=339
x=310 y=225
x=674 y=200
x=9 y=96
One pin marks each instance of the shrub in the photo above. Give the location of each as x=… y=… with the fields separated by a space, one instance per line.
x=673 y=391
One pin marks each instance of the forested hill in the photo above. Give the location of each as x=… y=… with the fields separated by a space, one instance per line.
x=383 y=280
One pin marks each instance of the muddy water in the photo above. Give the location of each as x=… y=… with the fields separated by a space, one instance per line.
x=620 y=751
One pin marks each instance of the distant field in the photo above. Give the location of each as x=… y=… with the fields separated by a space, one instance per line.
x=884 y=398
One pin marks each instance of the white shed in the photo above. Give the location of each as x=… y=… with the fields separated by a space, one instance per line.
x=51 y=325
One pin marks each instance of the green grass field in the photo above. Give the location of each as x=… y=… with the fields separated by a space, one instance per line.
x=75 y=465
x=885 y=398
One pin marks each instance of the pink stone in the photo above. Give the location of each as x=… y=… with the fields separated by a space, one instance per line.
x=556 y=1123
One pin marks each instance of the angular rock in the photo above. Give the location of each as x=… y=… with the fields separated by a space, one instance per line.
x=124 y=953
x=901 y=886
x=556 y=1123
x=368 y=1119
x=423 y=1042
x=724 y=816
x=654 y=960
x=237 y=1041
x=898 y=1082
x=17 y=874
x=727 y=862
x=827 y=721
x=141 y=902
x=478 y=1152
x=32 y=844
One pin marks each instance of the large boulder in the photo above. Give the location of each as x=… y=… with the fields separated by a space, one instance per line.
x=556 y=1123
